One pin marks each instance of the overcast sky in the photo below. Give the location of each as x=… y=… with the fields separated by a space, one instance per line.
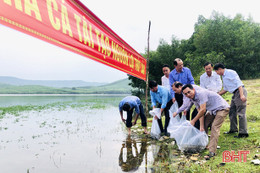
x=26 y=57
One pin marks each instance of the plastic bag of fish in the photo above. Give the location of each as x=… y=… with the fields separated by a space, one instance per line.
x=188 y=138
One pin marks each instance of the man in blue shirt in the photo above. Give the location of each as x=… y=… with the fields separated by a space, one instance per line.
x=162 y=96
x=182 y=75
x=128 y=104
x=233 y=84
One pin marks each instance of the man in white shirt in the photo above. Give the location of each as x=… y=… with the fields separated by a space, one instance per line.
x=165 y=78
x=210 y=80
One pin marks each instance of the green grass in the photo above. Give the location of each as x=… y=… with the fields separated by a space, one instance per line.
x=228 y=142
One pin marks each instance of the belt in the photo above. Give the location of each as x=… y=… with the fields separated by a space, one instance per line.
x=237 y=89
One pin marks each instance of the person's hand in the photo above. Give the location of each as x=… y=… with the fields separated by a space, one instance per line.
x=174 y=114
x=155 y=117
x=192 y=122
x=173 y=100
x=243 y=98
x=185 y=112
x=202 y=129
x=123 y=120
x=134 y=123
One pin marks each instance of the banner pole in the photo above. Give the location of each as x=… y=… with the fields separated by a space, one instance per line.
x=147 y=71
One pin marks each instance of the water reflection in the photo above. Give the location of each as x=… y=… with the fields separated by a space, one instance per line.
x=161 y=154
x=131 y=154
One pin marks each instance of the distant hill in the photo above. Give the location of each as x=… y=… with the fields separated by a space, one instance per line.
x=49 y=83
x=123 y=83
x=118 y=87
x=30 y=89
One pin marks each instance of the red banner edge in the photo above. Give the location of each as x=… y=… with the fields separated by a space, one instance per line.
x=43 y=37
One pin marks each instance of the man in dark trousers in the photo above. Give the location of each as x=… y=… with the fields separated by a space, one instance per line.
x=234 y=85
x=162 y=96
x=128 y=104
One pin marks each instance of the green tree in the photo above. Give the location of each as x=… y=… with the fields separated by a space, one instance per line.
x=236 y=41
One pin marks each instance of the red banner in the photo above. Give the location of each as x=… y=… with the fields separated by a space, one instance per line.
x=71 y=25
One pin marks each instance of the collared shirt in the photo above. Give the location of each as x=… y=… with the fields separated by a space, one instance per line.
x=231 y=80
x=214 y=102
x=162 y=96
x=187 y=104
x=185 y=77
x=212 y=83
x=166 y=82
x=133 y=101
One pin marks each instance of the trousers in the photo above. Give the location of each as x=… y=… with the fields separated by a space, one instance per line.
x=215 y=129
x=167 y=117
x=142 y=115
x=238 y=107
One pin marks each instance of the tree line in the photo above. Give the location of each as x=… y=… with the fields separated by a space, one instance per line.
x=235 y=42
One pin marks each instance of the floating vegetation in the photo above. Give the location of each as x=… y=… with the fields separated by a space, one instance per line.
x=92 y=103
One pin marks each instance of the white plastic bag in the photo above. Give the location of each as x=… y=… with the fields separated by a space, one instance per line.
x=155 y=112
x=188 y=138
x=173 y=121
x=155 y=129
x=174 y=108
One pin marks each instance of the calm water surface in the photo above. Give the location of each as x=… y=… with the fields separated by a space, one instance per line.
x=73 y=140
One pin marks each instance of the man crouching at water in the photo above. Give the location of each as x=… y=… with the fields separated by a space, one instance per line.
x=128 y=104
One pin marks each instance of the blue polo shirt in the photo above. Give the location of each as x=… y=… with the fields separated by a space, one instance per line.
x=162 y=96
x=133 y=101
x=184 y=77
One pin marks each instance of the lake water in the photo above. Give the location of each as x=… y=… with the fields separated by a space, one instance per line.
x=76 y=139
x=11 y=100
